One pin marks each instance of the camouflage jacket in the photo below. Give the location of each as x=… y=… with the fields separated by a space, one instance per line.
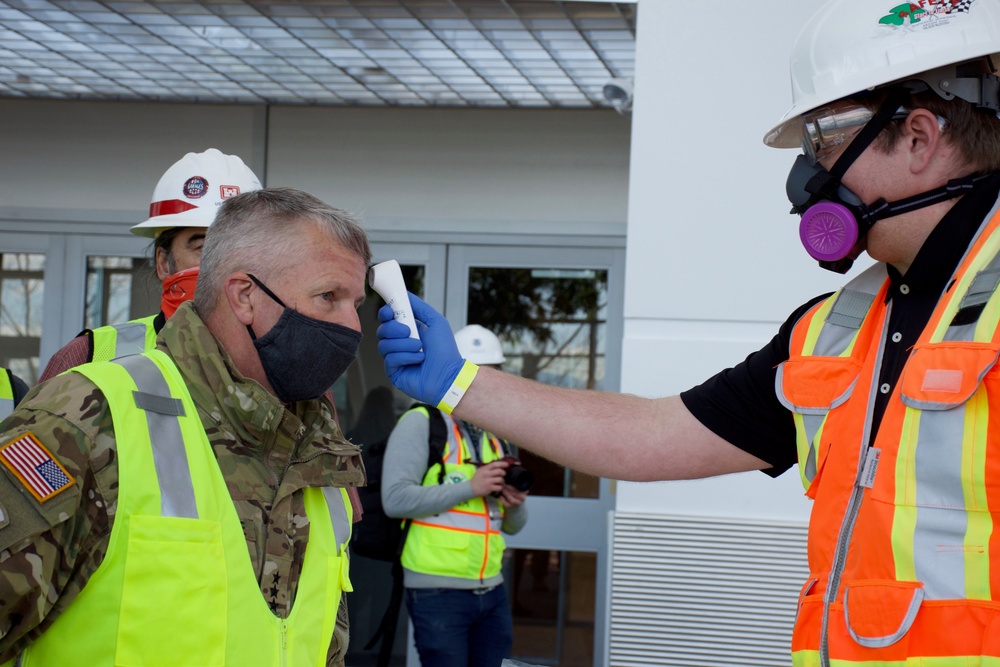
x=266 y=452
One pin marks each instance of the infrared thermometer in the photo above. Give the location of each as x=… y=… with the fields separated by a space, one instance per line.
x=386 y=278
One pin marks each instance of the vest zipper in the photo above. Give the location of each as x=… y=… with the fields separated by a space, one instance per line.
x=853 y=507
x=283 y=631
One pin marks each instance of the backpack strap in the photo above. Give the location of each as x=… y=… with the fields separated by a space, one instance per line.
x=437 y=438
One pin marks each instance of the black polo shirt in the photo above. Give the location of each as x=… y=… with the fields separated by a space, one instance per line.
x=740 y=404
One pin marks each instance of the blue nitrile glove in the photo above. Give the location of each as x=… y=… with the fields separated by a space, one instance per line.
x=423 y=374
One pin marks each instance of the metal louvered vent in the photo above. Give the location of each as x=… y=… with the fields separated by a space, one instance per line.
x=704 y=591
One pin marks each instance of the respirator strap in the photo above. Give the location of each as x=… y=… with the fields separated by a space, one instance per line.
x=956 y=187
x=871 y=130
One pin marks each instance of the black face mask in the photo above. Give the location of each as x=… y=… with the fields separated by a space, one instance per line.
x=302 y=357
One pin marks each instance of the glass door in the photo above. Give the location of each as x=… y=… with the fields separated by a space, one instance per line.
x=555 y=310
x=558 y=312
x=368 y=406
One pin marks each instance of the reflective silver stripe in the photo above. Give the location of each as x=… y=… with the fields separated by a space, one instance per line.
x=130 y=338
x=338 y=516
x=811 y=467
x=848 y=312
x=942 y=518
x=169 y=456
x=981 y=289
x=462 y=521
x=850 y=308
x=942 y=514
x=6 y=407
x=887 y=640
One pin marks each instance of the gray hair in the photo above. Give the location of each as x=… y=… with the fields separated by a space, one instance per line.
x=256 y=232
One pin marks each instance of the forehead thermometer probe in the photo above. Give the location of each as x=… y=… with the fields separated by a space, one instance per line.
x=386 y=278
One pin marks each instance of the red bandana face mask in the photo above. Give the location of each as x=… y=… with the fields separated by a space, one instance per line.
x=178 y=288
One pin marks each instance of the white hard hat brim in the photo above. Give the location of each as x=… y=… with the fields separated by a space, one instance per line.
x=153 y=226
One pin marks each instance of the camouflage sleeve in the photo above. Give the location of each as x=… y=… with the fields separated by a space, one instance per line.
x=338 y=647
x=50 y=543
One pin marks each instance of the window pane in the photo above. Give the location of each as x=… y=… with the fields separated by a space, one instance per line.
x=22 y=288
x=119 y=289
x=552 y=323
x=552 y=598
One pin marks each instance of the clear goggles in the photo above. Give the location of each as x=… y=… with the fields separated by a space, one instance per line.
x=826 y=128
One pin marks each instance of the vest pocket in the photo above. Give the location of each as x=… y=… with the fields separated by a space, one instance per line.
x=945 y=375
x=180 y=564
x=879 y=613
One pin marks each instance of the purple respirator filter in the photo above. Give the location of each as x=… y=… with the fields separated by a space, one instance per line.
x=828 y=231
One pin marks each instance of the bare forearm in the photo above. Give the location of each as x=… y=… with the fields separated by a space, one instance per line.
x=601 y=433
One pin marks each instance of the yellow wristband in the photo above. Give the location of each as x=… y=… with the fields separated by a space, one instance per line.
x=458 y=388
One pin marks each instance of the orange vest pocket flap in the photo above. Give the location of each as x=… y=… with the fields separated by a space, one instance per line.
x=809 y=384
x=879 y=613
x=945 y=375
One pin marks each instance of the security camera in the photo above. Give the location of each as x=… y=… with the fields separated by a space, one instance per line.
x=618 y=93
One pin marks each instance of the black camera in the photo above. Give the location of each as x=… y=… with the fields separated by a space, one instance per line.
x=517 y=475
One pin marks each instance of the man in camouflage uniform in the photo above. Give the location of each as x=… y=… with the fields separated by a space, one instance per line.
x=271 y=433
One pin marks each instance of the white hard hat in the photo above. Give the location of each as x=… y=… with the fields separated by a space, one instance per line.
x=479 y=345
x=851 y=46
x=191 y=191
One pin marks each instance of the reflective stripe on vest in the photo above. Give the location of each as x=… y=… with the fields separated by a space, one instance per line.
x=177 y=586
x=118 y=340
x=912 y=575
x=832 y=328
x=6 y=394
x=464 y=542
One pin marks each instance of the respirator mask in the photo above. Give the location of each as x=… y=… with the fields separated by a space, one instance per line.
x=833 y=218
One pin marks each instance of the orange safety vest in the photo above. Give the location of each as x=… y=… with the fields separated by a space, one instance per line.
x=904 y=537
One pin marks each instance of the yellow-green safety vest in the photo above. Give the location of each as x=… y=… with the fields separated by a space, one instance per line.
x=465 y=542
x=6 y=394
x=118 y=340
x=177 y=587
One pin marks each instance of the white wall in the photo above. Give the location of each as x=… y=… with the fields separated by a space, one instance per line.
x=713 y=259
x=68 y=158
x=444 y=170
x=429 y=170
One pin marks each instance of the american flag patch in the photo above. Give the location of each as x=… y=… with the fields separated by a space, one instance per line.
x=31 y=463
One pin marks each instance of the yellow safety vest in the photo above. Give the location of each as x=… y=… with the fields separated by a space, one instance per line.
x=118 y=340
x=6 y=394
x=177 y=587
x=465 y=542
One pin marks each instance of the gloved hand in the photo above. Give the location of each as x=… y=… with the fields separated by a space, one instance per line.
x=425 y=374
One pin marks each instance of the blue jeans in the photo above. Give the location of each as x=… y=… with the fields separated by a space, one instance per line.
x=460 y=628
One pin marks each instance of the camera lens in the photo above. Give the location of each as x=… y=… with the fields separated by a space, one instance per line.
x=519 y=477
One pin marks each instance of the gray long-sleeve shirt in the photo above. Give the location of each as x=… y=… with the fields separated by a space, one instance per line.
x=405 y=496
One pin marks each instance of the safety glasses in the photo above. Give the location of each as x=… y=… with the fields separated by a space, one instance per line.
x=828 y=127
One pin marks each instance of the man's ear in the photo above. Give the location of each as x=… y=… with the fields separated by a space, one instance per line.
x=162 y=263
x=237 y=289
x=922 y=137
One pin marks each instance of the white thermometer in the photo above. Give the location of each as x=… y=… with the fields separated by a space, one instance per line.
x=386 y=278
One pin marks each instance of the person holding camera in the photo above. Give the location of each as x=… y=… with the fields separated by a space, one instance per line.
x=451 y=559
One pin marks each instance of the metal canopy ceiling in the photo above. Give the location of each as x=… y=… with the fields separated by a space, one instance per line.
x=488 y=53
